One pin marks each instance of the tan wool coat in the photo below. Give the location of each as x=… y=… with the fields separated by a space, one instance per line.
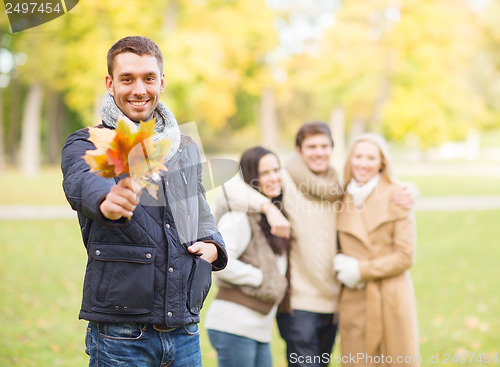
x=381 y=318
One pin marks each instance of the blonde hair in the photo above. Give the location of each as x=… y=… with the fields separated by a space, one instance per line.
x=376 y=139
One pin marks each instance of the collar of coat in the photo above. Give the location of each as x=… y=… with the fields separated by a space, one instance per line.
x=378 y=209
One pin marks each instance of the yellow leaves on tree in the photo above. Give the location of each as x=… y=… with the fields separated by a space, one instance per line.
x=128 y=150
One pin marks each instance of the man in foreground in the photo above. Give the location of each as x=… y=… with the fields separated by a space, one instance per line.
x=149 y=260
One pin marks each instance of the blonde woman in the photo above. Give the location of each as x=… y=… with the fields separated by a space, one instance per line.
x=378 y=317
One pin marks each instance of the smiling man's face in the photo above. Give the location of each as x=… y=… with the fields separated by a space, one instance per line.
x=316 y=151
x=136 y=85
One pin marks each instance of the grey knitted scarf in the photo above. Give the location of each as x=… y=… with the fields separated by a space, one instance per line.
x=166 y=125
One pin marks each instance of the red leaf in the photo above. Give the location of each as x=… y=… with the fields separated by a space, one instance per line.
x=123 y=151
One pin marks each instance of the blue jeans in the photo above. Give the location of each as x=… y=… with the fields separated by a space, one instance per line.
x=140 y=345
x=309 y=336
x=238 y=351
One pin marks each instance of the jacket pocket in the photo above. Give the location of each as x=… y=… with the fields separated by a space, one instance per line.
x=199 y=282
x=122 y=278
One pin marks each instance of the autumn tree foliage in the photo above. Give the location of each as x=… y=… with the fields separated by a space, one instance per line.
x=400 y=68
x=421 y=68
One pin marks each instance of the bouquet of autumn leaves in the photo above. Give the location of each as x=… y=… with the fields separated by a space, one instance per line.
x=128 y=150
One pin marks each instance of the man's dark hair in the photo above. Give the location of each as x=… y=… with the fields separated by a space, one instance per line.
x=137 y=45
x=312 y=128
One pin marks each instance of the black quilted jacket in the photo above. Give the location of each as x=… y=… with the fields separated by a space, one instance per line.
x=140 y=270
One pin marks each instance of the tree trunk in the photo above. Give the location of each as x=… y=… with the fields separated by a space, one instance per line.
x=337 y=124
x=30 y=138
x=14 y=121
x=55 y=123
x=97 y=119
x=268 y=120
x=384 y=94
x=358 y=126
x=2 y=145
x=171 y=15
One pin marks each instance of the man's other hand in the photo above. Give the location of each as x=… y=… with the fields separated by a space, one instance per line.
x=205 y=250
x=280 y=226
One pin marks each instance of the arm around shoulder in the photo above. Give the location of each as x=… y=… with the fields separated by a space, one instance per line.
x=242 y=196
x=402 y=256
x=406 y=195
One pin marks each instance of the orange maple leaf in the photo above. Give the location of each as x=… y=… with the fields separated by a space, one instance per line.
x=98 y=162
x=128 y=150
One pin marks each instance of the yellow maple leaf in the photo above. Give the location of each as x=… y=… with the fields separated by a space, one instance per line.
x=128 y=150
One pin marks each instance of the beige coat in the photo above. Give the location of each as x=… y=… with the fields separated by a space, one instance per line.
x=380 y=319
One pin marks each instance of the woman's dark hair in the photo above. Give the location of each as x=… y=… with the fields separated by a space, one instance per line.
x=249 y=164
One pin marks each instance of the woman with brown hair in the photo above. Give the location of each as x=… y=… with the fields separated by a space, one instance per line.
x=378 y=317
x=240 y=319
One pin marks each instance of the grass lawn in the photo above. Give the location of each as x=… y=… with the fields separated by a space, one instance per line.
x=19 y=190
x=43 y=262
x=456 y=283
x=456 y=185
x=43 y=189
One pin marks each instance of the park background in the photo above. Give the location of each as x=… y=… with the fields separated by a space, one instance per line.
x=425 y=74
